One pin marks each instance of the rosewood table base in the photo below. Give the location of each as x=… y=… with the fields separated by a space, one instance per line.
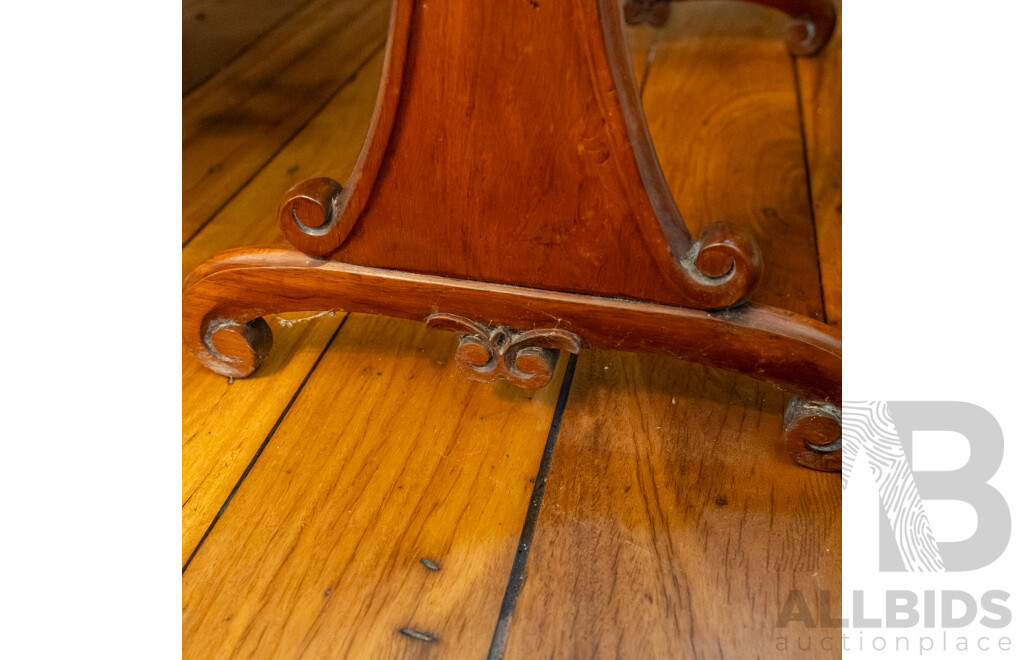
x=508 y=191
x=226 y=298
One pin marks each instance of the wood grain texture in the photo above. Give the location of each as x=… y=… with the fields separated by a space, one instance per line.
x=235 y=123
x=319 y=554
x=807 y=32
x=239 y=286
x=213 y=32
x=722 y=109
x=489 y=353
x=674 y=523
x=251 y=217
x=583 y=201
x=223 y=425
x=273 y=275
x=388 y=456
x=821 y=90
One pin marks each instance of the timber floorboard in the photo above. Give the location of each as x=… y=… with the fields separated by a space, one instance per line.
x=214 y=32
x=388 y=457
x=675 y=524
x=821 y=92
x=357 y=497
x=234 y=123
x=224 y=425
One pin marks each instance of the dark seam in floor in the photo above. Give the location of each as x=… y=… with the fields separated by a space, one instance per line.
x=807 y=179
x=263 y=446
x=517 y=575
x=345 y=83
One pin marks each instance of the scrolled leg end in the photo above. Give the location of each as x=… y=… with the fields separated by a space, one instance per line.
x=234 y=349
x=807 y=34
x=813 y=432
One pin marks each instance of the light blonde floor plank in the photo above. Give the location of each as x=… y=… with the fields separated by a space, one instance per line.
x=389 y=455
x=223 y=426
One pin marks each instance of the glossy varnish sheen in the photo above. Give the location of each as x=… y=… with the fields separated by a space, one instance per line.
x=388 y=456
x=224 y=424
x=663 y=535
x=680 y=540
x=674 y=524
x=233 y=125
x=565 y=178
x=821 y=91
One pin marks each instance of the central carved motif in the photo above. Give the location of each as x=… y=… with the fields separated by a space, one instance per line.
x=487 y=353
x=557 y=149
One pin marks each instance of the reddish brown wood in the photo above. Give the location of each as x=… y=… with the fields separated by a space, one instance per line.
x=780 y=347
x=508 y=178
x=521 y=160
x=810 y=27
x=309 y=211
x=527 y=359
x=242 y=344
x=814 y=434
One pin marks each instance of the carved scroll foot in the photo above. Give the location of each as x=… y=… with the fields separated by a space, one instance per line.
x=225 y=297
x=813 y=431
x=773 y=345
x=527 y=359
x=234 y=349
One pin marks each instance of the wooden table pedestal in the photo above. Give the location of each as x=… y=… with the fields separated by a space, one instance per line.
x=508 y=190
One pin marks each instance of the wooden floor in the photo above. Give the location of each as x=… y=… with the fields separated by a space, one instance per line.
x=357 y=497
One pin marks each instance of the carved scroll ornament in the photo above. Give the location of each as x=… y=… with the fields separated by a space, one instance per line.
x=527 y=359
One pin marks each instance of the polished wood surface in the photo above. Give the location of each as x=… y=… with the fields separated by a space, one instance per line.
x=223 y=426
x=706 y=104
x=249 y=218
x=821 y=93
x=809 y=29
x=577 y=185
x=662 y=535
x=541 y=151
x=235 y=123
x=214 y=32
x=386 y=458
x=225 y=298
x=224 y=423
x=258 y=583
